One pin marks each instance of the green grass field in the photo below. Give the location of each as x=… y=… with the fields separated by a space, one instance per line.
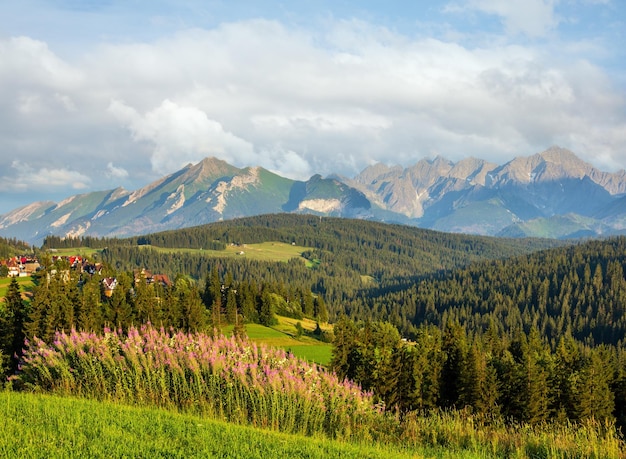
x=25 y=283
x=283 y=336
x=38 y=426
x=86 y=252
x=266 y=251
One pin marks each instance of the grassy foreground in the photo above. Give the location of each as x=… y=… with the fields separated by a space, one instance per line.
x=44 y=426
x=228 y=379
x=48 y=426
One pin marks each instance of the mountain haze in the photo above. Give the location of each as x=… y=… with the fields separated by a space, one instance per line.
x=550 y=194
x=476 y=196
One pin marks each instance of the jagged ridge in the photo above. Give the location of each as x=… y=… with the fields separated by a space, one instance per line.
x=552 y=193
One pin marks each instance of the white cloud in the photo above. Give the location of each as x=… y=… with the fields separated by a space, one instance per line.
x=116 y=172
x=298 y=101
x=287 y=163
x=27 y=177
x=181 y=135
x=332 y=122
x=26 y=62
x=535 y=18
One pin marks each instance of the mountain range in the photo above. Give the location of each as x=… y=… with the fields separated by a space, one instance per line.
x=551 y=194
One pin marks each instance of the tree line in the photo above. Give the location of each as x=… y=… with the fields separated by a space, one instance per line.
x=10 y=247
x=519 y=379
x=577 y=291
x=64 y=298
x=352 y=259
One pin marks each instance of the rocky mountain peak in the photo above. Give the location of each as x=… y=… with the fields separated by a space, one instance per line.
x=560 y=155
x=553 y=164
x=376 y=172
x=209 y=169
x=473 y=170
x=428 y=171
x=471 y=195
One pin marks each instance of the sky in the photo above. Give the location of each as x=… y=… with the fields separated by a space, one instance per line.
x=100 y=94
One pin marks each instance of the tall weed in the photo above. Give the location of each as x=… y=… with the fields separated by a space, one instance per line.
x=221 y=377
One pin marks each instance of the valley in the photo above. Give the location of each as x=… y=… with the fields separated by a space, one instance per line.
x=496 y=332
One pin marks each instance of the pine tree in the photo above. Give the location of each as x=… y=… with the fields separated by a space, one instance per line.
x=39 y=308
x=533 y=380
x=247 y=302
x=454 y=348
x=308 y=304
x=567 y=362
x=344 y=344
x=593 y=398
x=266 y=309
x=90 y=314
x=385 y=344
x=407 y=394
x=12 y=318
x=119 y=313
x=231 y=305
x=320 y=311
x=143 y=301
x=193 y=312
x=428 y=367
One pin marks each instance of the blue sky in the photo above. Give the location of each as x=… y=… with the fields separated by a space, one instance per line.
x=100 y=94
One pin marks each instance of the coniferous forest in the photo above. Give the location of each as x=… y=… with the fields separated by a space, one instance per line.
x=513 y=330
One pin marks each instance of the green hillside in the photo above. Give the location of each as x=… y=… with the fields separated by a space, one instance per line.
x=38 y=426
x=342 y=251
x=181 y=387
x=558 y=227
x=12 y=247
x=507 y=348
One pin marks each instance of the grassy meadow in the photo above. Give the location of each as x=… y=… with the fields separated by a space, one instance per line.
x=25 y=283
x=47 y=426
x=44 y=426
x=86 y=252
x=265 y=251
x=283 y=335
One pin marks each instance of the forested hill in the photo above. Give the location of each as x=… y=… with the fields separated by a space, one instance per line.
x=12 y=247
x=383 y=251
x=349 y=256
x=370 y=246
x=577 y=291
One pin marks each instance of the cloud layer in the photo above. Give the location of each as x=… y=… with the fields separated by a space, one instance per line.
x=299 y=100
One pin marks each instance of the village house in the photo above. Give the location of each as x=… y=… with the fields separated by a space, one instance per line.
x=162 y=279
x=109 y=285
x=20 y=266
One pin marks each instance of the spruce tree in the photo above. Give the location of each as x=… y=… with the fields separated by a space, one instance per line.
x=344 y=344
x=320 y=311
x=266 y=309
x=231 y=305
x=90 y=314
x=12 y=317
x=533 y=380
x=454 y=348
x=593 y=398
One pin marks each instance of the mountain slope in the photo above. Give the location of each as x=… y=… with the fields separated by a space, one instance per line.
x=551 y=193
x=479 y=197
x=209 y=191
